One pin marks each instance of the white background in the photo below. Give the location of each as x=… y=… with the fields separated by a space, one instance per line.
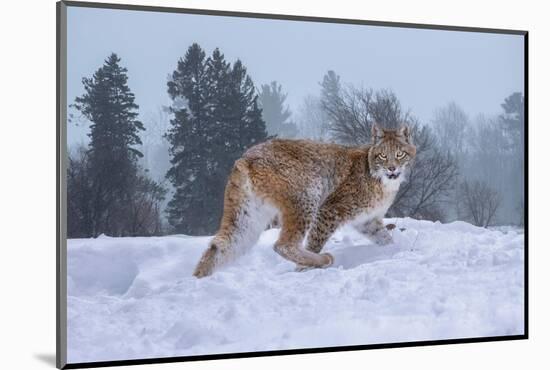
x=27 y=186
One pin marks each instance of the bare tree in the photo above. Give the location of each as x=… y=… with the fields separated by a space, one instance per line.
x=312 y=120
x=521 y=211
x=450 y=125
x=136 y=212
x=354 y=110
x=156 y=158
x=479 y=202
x=425 y=194
x=144 y=208
x=80 y=215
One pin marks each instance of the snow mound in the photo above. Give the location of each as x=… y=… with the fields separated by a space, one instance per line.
x=135 y=297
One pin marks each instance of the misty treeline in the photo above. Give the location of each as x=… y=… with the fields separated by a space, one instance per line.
x=466 y=168
x=168 y=173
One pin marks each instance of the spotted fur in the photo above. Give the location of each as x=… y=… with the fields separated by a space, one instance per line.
x=312 y=189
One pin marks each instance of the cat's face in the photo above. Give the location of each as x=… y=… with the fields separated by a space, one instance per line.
x=391 y=153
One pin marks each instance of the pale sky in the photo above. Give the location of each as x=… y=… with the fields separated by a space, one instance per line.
x=425 y=68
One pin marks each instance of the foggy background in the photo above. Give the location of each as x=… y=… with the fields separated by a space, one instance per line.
x=449 y=85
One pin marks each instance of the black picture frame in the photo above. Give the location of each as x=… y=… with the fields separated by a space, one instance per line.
x=61 y=190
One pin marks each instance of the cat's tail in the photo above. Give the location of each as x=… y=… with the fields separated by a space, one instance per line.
x=244 y=218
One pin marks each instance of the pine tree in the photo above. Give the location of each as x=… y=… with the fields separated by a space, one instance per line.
x=275 y=113
x=189 y=143
x=514 y=119
x=331 y=101
x=109 y=104
x=244 y=123
x=220 y=149
x=219 y=121
x=112 y=156
x=331 y=91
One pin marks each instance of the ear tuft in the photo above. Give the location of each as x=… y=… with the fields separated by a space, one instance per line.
x=376 y=133
x=405 y=131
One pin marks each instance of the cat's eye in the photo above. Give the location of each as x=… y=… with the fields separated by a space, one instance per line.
x=382 y=156
x=400 y=155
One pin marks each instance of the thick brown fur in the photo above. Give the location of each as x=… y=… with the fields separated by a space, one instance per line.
x=313 y=188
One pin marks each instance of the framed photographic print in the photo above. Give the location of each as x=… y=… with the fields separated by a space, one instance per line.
x=236 y=184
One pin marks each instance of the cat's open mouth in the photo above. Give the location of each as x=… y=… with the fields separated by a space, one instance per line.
x=393 y=176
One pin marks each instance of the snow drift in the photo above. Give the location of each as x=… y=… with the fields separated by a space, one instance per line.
x=135 y=297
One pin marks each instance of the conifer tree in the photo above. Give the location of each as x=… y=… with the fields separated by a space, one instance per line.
x=331 y=91
x=189 y=141
x=115 y=181
x=243 y=118
x=218 y=122
x=514 y=119
x=275 y=113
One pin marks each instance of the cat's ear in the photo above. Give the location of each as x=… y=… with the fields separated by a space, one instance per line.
x=376 y=133
x=405 y=132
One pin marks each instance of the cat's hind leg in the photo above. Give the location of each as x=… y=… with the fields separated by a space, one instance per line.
x=289 y=244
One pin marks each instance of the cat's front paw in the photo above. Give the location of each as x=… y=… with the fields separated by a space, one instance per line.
x=382 y=237
x=328 y=261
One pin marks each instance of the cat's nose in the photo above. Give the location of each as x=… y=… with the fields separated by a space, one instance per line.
x=392 y=169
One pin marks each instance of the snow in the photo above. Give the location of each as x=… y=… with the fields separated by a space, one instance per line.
x=135 y=297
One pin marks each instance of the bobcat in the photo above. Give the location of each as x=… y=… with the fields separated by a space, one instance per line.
x=313 y=188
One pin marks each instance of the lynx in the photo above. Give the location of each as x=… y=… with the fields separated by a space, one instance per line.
x=312 y=188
